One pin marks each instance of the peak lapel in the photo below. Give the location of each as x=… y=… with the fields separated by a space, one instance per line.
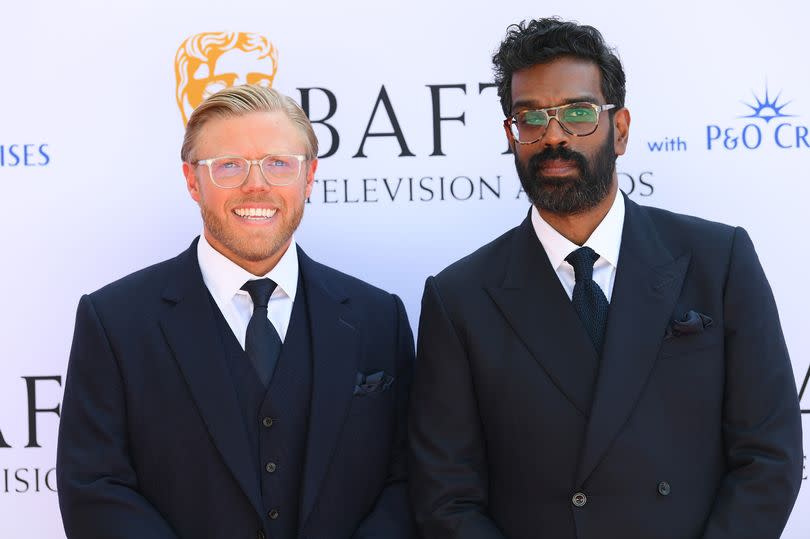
x=191 y=331
x=648 y=281
x=537 y=308
x=334 y=360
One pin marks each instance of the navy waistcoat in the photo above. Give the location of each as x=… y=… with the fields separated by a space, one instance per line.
x=276 y=417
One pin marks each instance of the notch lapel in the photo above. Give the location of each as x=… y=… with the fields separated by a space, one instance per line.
x=535 y=305
x=335 y=348
x=648 y=282
x=191 y=331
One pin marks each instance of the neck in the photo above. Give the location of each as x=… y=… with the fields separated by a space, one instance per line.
x=578 y=227
x=258 y=268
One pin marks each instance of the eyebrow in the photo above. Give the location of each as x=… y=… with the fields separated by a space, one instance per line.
x=534 y=104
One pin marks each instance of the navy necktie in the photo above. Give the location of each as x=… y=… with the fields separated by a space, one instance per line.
x=262 y=343
x=588 y=299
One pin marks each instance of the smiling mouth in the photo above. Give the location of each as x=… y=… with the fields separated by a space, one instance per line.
x=255 y=214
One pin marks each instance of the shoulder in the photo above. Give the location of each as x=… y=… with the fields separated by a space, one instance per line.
x=148 y=284
x=343 y=286
x=679 y=224
x=377 y=314
x=687 y=233
x=344 y=281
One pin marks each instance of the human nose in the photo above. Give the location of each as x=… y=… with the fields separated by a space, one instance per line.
x=255 y=180
x=555 y=135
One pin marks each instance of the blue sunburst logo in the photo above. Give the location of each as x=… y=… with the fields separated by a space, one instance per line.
x=767 y=109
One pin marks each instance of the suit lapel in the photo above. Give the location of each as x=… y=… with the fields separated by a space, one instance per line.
x=537 y=308
x=648 y=281
x=191 y=331
x=334 y=361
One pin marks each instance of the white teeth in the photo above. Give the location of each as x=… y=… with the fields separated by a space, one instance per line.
x=255 y=213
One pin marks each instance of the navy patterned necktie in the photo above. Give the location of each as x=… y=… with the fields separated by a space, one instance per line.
x=588 y=299
x=262 y=343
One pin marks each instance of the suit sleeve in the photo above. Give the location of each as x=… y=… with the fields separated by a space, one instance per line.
x=448 y=458
x=761 y=417
x=98 y=487
x=392 y=517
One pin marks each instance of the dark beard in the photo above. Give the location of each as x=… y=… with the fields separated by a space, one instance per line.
x=567 y=196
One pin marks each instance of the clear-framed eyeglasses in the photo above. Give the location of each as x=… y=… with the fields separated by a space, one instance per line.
x=229 y=172
x=577 y=119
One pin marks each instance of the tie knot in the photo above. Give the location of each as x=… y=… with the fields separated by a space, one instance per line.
x=260 y=291
x=583 y=260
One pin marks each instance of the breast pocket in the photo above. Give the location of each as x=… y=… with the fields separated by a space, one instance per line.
x=686 y=345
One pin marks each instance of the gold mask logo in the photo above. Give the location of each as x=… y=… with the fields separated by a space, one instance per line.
x=211 y=61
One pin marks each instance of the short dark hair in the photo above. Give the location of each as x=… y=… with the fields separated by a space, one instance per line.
x=542 y=40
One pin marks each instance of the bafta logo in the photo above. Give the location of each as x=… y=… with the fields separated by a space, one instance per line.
x=211 y=61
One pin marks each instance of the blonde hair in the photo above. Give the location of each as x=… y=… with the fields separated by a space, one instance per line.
x=242 y=100
x=206 y=48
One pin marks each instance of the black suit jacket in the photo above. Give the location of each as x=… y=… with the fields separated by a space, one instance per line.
x=680 y=431
x=151 y=442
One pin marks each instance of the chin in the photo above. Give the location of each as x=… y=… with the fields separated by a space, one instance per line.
x=260 y=252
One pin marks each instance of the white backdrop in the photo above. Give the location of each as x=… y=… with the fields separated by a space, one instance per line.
x=90 y=136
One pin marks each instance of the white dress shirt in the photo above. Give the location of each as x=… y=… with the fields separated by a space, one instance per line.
x=224 y=280
x=606 y=240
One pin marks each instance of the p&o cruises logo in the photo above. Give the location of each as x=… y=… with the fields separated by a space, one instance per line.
x=768 y=123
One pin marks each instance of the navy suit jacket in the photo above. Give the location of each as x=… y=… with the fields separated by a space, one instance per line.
x=683 y=429
x=151 y=442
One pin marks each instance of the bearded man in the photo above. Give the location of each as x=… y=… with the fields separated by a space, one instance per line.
x=603 y=370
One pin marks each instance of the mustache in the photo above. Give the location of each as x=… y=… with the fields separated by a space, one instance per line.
x=553 y=153
x=254 y=200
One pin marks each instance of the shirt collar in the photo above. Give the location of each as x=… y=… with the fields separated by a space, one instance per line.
x=605 y=240
x=224 y=278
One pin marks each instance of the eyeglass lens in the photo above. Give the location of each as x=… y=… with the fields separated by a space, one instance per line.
x=232 y=171
x=578 y=118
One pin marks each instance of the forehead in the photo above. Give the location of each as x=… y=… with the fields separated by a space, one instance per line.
x=556 y=82
x=250 y=135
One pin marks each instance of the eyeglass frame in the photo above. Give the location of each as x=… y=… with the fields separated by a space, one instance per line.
x=258 y=162
x=509 y=122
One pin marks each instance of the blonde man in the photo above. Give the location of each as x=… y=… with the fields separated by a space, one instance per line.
x=239 y=390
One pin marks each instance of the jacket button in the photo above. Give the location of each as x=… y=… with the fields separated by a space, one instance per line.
x=267 y=422
x=273 y=514
x=270 y=467
x=664 y=488
x=579 y=499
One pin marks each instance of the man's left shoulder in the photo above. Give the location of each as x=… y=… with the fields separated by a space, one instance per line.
x=688 y=231
x=353 y=289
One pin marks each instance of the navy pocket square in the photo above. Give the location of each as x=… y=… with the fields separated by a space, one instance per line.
x=376 y=382
x=692 y=322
